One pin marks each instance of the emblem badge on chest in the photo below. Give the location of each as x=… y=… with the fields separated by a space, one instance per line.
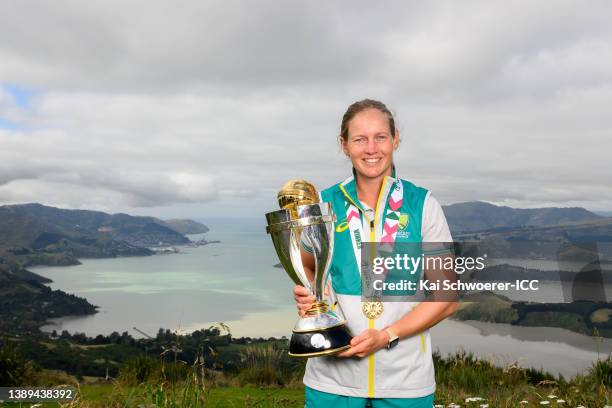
x=372 y=310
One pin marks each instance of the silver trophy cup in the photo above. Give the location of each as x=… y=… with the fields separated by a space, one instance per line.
x=308 y=230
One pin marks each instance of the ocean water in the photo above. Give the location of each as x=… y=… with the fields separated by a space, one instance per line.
x=219 y=282
x=235 y=282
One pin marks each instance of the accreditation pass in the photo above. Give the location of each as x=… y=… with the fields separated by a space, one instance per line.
x=36 y=394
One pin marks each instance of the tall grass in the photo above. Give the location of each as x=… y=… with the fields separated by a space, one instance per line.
x=263 y=365
x=269 y=378
x=464 y=379
x=602 y=372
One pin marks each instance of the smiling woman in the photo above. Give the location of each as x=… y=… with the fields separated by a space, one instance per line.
x=389 y=363
x=368 y=137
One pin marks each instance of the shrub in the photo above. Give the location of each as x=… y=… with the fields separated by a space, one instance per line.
x=138 y=369
x=14 y=369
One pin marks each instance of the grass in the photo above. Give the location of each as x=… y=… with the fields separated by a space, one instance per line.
x=264 y=366
x=110 y=396
x=264 y=381
x=462 y=378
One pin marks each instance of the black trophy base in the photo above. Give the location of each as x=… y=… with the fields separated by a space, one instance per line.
x=321 y=342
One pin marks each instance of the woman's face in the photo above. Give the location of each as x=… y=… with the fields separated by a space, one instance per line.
x=370 y=144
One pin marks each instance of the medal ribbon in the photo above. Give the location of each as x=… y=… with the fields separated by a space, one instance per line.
x=387 y=233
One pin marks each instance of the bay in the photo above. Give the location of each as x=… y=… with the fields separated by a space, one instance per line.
x=218 y=282
x=235 y=282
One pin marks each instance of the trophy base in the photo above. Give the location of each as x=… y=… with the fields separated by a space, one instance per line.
x=320 y=342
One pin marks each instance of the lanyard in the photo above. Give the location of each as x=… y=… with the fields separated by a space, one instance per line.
x=387 y=234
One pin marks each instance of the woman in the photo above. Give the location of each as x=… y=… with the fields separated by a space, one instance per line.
x=389 y=363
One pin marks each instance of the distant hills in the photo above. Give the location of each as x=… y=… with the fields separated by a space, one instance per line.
x=26 y=302
x=34 y=234
x=578 y=242
x=480 y=216
x=185 y=227
x=569 y=234
x=84 y=233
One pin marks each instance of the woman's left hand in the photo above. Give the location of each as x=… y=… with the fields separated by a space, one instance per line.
x=366 y=343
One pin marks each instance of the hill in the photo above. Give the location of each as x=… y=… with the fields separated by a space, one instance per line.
x=34 y=234
x=26 y=302
x=480 y=216
x=82 y=233
x=586 y=241
x=184 y=227
x=584 y=317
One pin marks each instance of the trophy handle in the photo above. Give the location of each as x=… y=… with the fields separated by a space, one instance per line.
x=320 y=238
x=296 y=257
x=287 y=245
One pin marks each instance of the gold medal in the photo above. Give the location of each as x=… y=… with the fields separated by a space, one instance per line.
x=372 y=310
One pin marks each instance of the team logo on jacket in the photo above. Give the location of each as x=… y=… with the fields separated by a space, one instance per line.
x=404 y=220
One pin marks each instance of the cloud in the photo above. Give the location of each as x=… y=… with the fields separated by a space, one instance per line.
x=148 y=107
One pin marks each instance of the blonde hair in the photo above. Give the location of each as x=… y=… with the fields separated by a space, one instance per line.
x=361 y=106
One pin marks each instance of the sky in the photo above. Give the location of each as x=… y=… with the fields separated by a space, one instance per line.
x=204 y=109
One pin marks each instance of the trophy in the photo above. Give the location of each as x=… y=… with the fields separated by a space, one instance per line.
x=305 y=224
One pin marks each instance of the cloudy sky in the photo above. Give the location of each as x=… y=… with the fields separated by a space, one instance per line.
x=204 y=109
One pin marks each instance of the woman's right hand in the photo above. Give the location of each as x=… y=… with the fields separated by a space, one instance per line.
x=303 y=299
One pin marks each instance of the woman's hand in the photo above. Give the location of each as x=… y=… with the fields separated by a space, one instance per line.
x=368 y=342
x=303 y=299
